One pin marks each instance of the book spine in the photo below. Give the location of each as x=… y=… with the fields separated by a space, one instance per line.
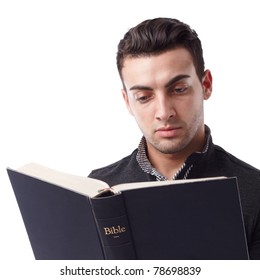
x=113 y=226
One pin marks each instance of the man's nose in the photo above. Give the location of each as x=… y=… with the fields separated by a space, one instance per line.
x=164 y=108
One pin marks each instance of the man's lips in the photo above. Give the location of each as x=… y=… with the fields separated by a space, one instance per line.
x=167 y=131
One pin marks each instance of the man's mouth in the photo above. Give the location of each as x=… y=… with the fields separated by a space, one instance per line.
x=167 y=131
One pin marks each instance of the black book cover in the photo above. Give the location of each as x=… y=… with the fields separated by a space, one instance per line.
x=184 y=220
x=201 y=220
x=59 y=222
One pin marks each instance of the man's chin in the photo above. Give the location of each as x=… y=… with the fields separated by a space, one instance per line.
x=168 y=148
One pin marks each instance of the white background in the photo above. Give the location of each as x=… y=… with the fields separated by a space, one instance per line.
x=61 y=104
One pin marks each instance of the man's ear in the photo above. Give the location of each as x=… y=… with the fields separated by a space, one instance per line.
x=207 y=84
x=125 y=96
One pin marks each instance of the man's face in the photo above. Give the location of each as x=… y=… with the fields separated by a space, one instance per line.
x=165 y=96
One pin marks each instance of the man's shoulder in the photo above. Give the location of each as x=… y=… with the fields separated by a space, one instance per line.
x=236 y=162
x=121 y=171
x=229 y=165
x=111 y=168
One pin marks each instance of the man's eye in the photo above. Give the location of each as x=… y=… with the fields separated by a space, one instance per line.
x=180 y=90
x=143 y=99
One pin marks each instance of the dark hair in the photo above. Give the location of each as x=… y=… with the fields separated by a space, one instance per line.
x=155 y=36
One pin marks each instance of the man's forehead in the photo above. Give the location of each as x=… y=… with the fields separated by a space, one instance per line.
x=170 y=63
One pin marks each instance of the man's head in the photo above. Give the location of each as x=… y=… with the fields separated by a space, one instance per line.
x=164 y=84
x=155 y=36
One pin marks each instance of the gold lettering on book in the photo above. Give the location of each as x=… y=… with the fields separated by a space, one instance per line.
x=114 y=230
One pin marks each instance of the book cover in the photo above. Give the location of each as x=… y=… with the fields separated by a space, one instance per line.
x=187 y=219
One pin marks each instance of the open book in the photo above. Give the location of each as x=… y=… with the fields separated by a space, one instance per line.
x=73 y=217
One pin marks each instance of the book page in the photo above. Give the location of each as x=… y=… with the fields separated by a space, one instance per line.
x=89 y=186
x=83 y=185
x=132 y=186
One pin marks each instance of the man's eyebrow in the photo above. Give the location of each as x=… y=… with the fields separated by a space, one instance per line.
x=169 y=84
x=176 y=79
x=140 y=87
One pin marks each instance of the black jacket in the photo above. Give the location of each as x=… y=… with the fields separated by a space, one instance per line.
x=215 y=162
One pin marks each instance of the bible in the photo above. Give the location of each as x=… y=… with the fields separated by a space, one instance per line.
x=74 y=217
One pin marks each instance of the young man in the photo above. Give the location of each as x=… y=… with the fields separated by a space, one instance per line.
x=161 y=65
